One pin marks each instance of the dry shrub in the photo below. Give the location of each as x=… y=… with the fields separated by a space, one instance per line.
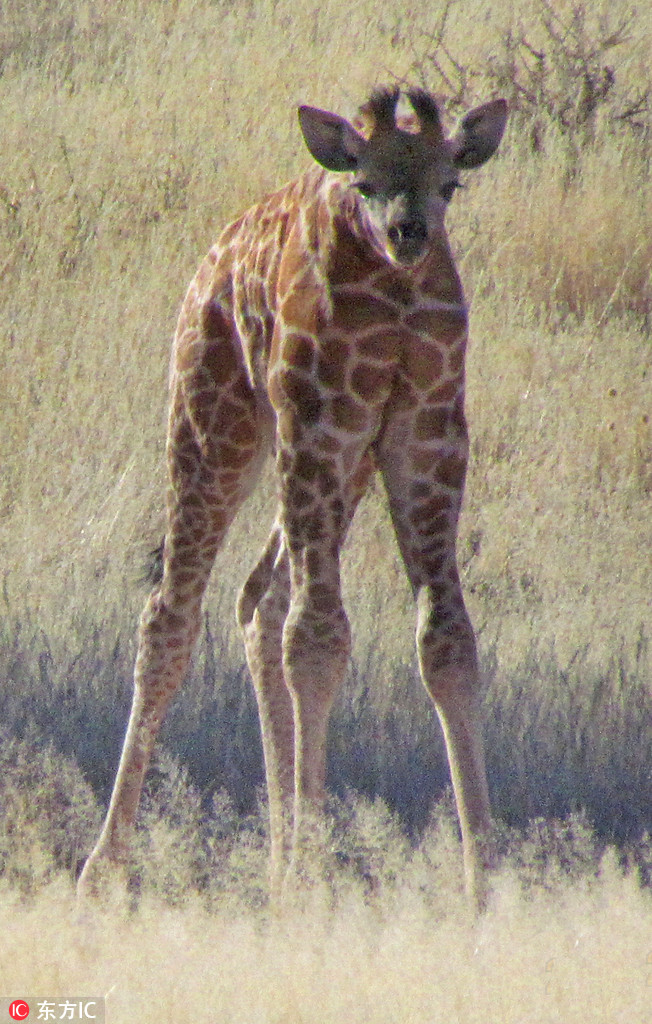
x=48 y=815
x=565 y=216
x=567 y=65
x=383 y=948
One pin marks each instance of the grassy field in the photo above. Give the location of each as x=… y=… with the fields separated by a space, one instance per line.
x=578 y=954
x=131 y=134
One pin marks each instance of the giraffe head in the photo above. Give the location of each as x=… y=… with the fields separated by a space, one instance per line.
x=405 y=169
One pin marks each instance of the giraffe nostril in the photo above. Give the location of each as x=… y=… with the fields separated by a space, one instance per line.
x=414 y=231
x=408 y=231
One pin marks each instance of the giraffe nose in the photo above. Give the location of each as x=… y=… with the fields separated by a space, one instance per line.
x=408 y=232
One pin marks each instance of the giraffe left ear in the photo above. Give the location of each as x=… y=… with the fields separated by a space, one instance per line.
x=331 y=140
x=479 y=134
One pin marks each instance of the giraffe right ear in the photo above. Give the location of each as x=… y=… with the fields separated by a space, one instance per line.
x=479 y=134
x=331 y=140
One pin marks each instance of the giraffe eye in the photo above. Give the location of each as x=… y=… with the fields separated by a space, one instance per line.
x=366 y=190
x=447 y=190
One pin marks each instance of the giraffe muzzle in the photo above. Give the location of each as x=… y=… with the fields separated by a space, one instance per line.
x=408 y=240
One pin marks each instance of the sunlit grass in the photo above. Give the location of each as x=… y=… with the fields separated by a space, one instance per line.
x=122 y=162
x=131 y=134
x=575 y=951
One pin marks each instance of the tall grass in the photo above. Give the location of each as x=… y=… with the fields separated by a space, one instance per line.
x=577 y=950
x=131 y=134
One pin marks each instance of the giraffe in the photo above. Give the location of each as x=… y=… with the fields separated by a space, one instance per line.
x=327 y=325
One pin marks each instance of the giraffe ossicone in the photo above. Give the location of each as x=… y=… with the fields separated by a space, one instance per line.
x=327 y=325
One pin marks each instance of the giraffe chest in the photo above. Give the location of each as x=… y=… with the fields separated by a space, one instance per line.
x=361 y=338
x=321 y=311
x=348 y=363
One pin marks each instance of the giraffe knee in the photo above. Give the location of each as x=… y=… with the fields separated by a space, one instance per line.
x=165 y=637
x=316 y=646
x=163 y=616
x=259 y=582
x=445 y=642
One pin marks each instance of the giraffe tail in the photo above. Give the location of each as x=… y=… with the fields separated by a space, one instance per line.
x=152 y=571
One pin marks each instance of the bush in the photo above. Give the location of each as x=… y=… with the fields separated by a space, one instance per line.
x=559 y=69
x=49 y=817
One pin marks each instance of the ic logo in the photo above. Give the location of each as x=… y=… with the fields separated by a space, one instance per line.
x=19 y=1010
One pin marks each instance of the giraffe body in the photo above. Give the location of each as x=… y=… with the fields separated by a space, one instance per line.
x=327 y=325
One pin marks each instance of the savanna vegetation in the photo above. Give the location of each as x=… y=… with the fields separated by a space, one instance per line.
x=131 y=133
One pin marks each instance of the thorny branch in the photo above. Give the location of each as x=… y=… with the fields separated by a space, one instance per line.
x=568 y=74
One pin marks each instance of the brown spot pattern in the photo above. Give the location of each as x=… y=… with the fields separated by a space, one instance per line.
x=297 y=333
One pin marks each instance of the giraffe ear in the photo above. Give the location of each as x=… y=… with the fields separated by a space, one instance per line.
x=331 y=140
x=479 y=134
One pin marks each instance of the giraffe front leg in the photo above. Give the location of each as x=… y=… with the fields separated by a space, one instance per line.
x=316 y=651
x=448 y=665
x=262 y=610
x=317 y=508
x=424 y=471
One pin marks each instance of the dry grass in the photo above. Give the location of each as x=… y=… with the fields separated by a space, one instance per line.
x=381 y=933
x=578 y=953
x=131 y=134
x=127 y=146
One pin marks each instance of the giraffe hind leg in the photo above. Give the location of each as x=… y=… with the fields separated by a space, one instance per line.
x=168 y=628
x=262 y=609
x=215 y=450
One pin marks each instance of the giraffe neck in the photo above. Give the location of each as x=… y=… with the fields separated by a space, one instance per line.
x=352 y=256
x=313 y=235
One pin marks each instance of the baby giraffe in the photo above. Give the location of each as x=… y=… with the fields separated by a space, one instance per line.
x=327 y=325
